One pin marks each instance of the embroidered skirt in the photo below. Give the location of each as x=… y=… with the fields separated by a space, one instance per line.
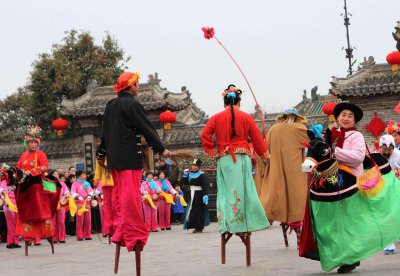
x=238 y=207
x=355 y=228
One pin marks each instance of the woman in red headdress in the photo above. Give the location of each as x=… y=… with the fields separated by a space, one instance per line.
x=36 y=203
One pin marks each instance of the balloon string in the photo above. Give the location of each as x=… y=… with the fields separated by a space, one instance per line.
x=248 y=84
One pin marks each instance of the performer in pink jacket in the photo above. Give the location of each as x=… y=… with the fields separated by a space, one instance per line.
x=11 y=217
x=349 y=147
x=149 y=186
x=164 y=208
x=80 y=191
x=348 y=143
x=59 y=217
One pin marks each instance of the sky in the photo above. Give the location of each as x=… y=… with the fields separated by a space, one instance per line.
x=284 y=47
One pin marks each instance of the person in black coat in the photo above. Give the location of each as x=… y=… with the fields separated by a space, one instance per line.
x=124 y=123
x=196 y=210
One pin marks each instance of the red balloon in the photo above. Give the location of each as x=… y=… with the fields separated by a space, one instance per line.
x=208 y=32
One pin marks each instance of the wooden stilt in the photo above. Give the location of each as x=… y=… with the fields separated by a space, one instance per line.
x=50 y=240
x=116 y=262
x=224 y=240
x=109 y=239
x=138 y=249
x=285 y=228
x=298 y=235
x=245 y=237
x=26 y=248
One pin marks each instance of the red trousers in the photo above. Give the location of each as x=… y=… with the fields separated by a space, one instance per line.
x=108 y=211
x=59 y=225
x=164 y=214
x=84 y=224
x=11 y=219
x=129 y=220
x=150 y=217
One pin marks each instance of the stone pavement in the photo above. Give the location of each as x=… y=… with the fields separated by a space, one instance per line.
x=180 y=252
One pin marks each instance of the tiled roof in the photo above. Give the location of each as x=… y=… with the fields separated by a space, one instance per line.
x=315 y=107
x=177 y=137
x=151 y=96
x=52 y=148
x=370 y=79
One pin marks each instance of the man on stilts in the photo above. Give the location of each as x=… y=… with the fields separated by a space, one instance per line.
x=124 y=123
x=282 y=186
x=239 y=209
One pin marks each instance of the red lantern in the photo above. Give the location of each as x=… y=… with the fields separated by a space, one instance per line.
x=167 y=117
x=376 y=126
x=59 y=125
x=328 y=110
x=394 y=59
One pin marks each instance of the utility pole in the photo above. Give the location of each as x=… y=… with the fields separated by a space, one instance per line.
x=349 y=49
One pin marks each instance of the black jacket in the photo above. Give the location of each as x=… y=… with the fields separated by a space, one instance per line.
x=124 y=121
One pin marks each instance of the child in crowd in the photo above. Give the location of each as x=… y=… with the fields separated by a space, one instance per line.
x=178 y=209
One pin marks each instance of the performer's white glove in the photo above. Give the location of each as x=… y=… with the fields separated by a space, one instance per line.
x=102 y=196
x=145 y=193
x=88 y=198
x=1 y=191
x=66 y=193
x=80 y=198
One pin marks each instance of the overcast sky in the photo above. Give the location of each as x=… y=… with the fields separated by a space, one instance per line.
x=283 y=46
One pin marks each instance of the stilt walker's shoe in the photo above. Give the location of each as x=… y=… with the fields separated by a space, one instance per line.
x=347 y=268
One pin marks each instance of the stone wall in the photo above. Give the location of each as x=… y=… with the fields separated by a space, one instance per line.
x=65 y=163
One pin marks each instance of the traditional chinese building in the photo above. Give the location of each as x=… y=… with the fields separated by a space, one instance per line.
x=86 y=113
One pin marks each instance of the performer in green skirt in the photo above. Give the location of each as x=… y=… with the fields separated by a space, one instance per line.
x=239 y=209
x=238 y=206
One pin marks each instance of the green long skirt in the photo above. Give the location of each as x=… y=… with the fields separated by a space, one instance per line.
x=238 y=207
x=353 y=229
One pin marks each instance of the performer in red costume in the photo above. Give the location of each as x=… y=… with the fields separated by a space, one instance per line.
x=36 y=198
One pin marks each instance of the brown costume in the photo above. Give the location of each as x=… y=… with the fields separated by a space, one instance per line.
x=282 y=186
